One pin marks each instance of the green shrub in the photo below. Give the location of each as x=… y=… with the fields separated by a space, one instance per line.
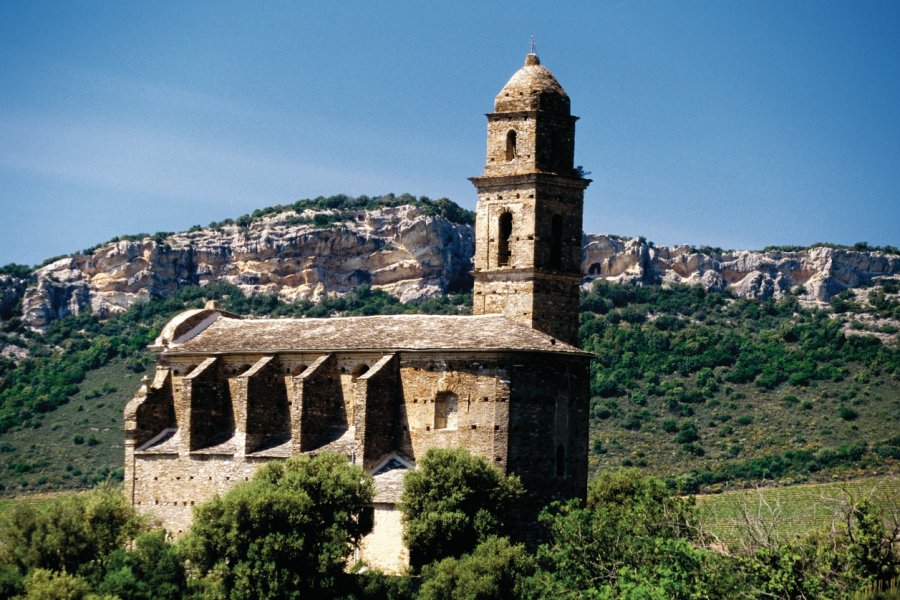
x=790 y=400
x=495 y=569
x=631 y=540
x=75 y=533
x=152 y=569
x=687 y=433
x=295 y=522
x=452 y=502
x=847 y=413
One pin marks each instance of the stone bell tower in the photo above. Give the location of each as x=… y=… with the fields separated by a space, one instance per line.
x=530 y=203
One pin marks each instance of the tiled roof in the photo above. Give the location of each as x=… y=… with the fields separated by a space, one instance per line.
x=394 y=332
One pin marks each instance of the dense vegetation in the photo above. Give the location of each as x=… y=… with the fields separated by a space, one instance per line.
x=288 y=532
x=15 y=270
x=706 y=389
x=858 y=246
x=697 y=387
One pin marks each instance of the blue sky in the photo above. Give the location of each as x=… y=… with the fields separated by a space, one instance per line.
x=736 y=124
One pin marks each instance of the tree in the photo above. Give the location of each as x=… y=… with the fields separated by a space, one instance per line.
x=453 y=501
x=75 y=534
x=43 y=583
x=11 y=581
x=151 y=570
x=496 y=570
x=284 y=534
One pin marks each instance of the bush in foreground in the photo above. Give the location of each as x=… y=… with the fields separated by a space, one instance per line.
x=452 y=502
x=495 y=570
x=285 y=534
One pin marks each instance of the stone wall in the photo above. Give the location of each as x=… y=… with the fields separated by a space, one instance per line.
x=383 y=548
x=168 y=486
x=377 y=396
x=320 y=414
x=491 y=205
x=198 y=433
x=499 y=126
x=550 y=403
x=538 y=283
x=268 y=410
x=544 y=142
x=548 y=436
x=204 y=407
x=480 y=384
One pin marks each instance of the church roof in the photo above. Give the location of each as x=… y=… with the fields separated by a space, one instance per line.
x=533 y=87
x=225 y=334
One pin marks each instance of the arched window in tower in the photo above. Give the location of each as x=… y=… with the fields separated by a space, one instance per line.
x=511 y=144
x=556 y=237
x=504 y=251
x=560 y=461
x=445 y=410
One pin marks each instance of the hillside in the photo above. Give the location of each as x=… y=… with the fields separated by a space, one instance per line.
x=712 y=391
x=708 y=385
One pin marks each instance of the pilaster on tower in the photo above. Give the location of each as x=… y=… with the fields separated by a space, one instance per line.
x=528 y=224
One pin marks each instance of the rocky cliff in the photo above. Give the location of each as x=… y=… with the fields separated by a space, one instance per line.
x=821 y=271
x=402 y=250
x=399 y=249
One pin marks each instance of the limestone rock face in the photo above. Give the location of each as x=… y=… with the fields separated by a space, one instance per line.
x=823 y=272
x=400 y=249
x=403 y=251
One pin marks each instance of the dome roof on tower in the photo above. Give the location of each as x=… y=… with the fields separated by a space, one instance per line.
x=533 y=87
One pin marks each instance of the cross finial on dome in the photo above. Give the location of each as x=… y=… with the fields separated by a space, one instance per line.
x=532 y=59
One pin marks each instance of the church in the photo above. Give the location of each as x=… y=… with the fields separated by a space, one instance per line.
x=508 y=383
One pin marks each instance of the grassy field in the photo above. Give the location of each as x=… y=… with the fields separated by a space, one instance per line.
x=36 y=500
x=787 y=512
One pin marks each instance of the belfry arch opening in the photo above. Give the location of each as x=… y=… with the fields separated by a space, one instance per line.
x=504 y=252
x=511 y=144
x=556 y=235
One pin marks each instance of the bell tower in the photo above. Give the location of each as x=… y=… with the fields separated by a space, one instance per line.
x=528 y=223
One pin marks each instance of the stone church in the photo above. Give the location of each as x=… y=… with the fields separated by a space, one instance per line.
x=230 y=394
